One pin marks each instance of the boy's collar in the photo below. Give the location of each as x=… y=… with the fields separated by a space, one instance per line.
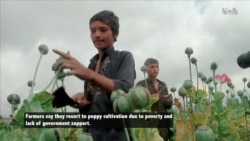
x=107 y=52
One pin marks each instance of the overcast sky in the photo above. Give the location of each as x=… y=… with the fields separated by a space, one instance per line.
x=217 y=31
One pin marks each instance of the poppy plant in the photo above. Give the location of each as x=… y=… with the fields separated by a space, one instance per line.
x=222 y=78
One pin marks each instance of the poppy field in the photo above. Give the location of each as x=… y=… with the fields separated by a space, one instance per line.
x=201 y=113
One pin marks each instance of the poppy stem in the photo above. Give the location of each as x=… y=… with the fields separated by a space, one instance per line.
x=35 y=74
x=126 y=130
x=190 y=71
x=145 y=80
x=51 y=81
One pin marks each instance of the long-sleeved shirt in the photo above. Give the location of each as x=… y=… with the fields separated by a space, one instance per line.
x=120 y=67
x=164 y=102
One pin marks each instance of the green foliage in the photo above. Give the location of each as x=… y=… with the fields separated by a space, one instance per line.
x=3 y=136
x=39 y=102
x=84 y=137
x=153 y=134
x=227 y=122
x=48 y=135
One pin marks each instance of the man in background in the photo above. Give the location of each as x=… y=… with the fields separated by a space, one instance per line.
x=158 y=89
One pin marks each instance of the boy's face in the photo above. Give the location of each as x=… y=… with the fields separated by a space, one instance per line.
x=153 y=70
x=101 y=35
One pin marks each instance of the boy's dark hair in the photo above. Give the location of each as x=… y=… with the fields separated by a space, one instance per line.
x=109 y=18
x=151 y=61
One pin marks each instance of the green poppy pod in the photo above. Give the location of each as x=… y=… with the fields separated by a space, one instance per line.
x=123 y=104
x=203 y=77
x=232 y=86
x=200 y=74
x=130 y=101
x=144 y=68
x=188 y=84
x=210 y=79
x=215 y=83
x=189 y=51
x=13 y=99
x=248 y=84
x=61 y=75
x=173 y=89
x=54 y=67
x=245 y=98
x=43 y=49
x=193 y=60
x=240 y=93
x=244 y=79
x=31 y=83
x=141 y=97
x=182 y=92
x=213 y=66
x=204 y=133
x=84 y=137
x=116 y=94
x=211 y=88
x=115 y=106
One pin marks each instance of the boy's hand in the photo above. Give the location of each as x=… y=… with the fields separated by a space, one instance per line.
x=156 y=94
x=168 y=100
x=66 y=61
x=81 y=100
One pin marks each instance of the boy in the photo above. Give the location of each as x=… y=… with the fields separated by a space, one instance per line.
x=108 y=70
x=159 y=89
